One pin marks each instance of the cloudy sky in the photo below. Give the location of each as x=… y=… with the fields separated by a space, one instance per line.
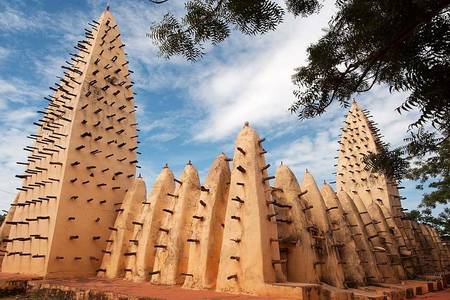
x=186 y=111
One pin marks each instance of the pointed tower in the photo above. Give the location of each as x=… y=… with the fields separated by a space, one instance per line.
x=442 y=250
x=414 y=245
x=432 y=249
x=148 y=226
x=391 y=244
x=362 y=239
x=410 y=263
x=249 y=259
x=81 y=163
x=360 y=137
x=296 y=240
x=114 y=258
x=377 y=242
x=345 y=244
x=172 y=250
x=329 y=263
x=207 y=235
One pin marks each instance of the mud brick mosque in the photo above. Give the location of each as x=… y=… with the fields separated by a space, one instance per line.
x=82 y=212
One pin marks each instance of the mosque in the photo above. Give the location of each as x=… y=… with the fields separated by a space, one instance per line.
x=82 y=211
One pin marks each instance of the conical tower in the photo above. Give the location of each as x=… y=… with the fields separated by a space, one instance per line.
x=81 y=163
x=296 y=239
x=207 y=235
x=344 y=242
x=114 y=258
x=433 y=256
x=148 y=226
x=249 y=259
x=172 y=250
x=377 y=242
x=360 y=137
x=361 y=237
x=390 y=241
x=442 y=250
x=329 y=264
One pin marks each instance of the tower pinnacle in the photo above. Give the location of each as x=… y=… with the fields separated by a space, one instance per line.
x=81 y=164
x=359 y=137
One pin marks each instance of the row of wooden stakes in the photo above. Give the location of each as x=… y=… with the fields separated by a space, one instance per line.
x=238 y=233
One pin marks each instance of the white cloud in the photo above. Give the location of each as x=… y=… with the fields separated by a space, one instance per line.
x=135 y=17
x=11 y=141
x=49 y=67
x=161 y=137
x=17 y=91
x=19 y=118
x=382 y=105
x=4 y=52
x=314 y=153
x=316 y=149
x=6 y=87
x=253 y=82
x=245 y=79
x=12 y=19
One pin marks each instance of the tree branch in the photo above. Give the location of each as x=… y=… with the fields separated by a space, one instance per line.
x=158 y=1
x=373 y=58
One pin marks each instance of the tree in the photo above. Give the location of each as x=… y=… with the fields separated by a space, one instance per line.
x=425 y=158
x=211 y=21
x=403 y=44
x=441 y=222
x=433 y=165
x=428 y=161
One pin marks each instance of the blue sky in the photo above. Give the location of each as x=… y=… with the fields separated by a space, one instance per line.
x=186 y=111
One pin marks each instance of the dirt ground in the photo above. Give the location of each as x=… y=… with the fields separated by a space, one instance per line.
x=141 y=289
x=145 y=289
x=441 y=295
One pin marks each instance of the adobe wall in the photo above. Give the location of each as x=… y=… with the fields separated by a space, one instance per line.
x=296 y=238
x=148 y=227
x=116 y=252
x=172 y=250
x=207 y=235
x=81 y=164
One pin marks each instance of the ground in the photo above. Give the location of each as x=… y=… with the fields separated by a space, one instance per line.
x=100 y=288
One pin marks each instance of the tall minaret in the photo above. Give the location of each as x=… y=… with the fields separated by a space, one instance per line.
x=360 y=137
x=81 y=163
